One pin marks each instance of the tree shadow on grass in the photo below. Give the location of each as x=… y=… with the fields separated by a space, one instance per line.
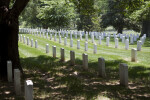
x=54 y=80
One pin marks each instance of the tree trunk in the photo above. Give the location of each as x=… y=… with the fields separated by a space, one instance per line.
x=119 y=30
x=145 y=28
x=9 y=47
x=9 y=28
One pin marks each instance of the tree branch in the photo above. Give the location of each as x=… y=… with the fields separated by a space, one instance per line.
x=18 y=7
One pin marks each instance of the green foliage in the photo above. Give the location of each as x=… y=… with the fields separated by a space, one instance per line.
x=115 y=17
x=87 y=15
x=28 y=16
x=11 y=3
x=143 y=13
x=55 y=13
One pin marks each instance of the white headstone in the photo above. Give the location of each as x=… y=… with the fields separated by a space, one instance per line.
x=123 y=74
x=31 y=42
x=70 y=35
x=40 y=34
x=66 y=34
x=92 y=38
x=71 y=42
x=139 y=45
x=72 y=57
x=47 y=48
x=123 y=39
x=36 y=44
x=24 y=39
x=116 y=43
x=131 y=40
x=80 y=36
x=54 y=51
x=17 y=83
x=101 y=67
x=9 y=71
x=120 y=36
x=133 y=55
x=127 y=44
x=43 y=35
x=86 y=46
x=107 y=41
x=51 y=36
x=62 y=52
x=143 y=39
x=78 y=44
x=76 y=36
x=95 y=49
x=65 y=41
x=100 y=40
x=28 y=90
x=86 y=37
x=102 y=36
x=128 y=36
x=27 y=40
x=59 y=39
x=47 y=35
x=20 y=38
x=55 y=37
x=37 y=33
x=135 y=38
x=85 y=61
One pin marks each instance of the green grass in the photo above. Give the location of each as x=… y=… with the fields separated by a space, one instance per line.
x=86 y=84
x=54 y=80
x=108 y=53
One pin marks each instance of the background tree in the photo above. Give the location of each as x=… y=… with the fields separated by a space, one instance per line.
x=139 y=11
x=55 y=13
x=28 y=17
x=115 y=16
x=87 y=13
x=9 y=27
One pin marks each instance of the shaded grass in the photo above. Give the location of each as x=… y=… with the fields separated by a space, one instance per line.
x=58 y=80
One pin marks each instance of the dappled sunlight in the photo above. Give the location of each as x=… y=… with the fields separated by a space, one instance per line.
x=54 y=79
x=62 y=81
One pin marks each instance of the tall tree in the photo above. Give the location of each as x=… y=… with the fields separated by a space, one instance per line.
x=115 y=16
x=32 y=9
x=86 y=11
x=9 y=29
x=55 y=13
x=138 y=11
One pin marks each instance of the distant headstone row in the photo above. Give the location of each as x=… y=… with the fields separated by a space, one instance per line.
x=93 y=35
x=133 y=51
x=30 y=42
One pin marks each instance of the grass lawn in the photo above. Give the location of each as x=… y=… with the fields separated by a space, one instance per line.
x=54 y=80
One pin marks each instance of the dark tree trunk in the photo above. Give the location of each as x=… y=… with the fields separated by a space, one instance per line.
x=119 y=30
x=146 y=28
x=9 y=28
x=9 y=47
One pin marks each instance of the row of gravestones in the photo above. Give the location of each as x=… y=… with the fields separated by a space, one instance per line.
x=139 y=43
x=92 y=34
x=133 y=50
x=123 y=68
x=31 y=30
x=63 y=32
x=28 y=86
